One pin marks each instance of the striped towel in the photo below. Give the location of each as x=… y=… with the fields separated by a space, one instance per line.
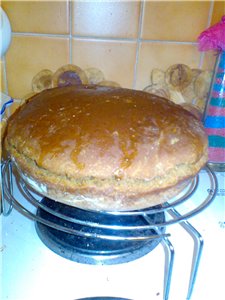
x=215 y=119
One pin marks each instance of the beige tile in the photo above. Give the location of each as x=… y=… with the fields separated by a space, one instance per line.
x=3 y=82
x=115 y=59
x=106 y=18
x=209 y=60
x=28 y=55
x=38 y=16
x=177 y=21
x=218 y=11
x=162 y=55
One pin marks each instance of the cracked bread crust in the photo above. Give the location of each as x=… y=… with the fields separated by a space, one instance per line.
x=106 y=148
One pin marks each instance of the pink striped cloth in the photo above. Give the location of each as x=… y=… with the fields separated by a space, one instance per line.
x=215 y=131
x=216 y=111
x=216 y=155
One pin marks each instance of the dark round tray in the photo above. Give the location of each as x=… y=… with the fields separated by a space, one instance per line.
x=95 y=250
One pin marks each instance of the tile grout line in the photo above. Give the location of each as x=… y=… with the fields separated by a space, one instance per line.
x=39 y=34
x=210 y=13
x=70 y=32
x=101 y=39
x=140 y=26
x=169 y=42
x=202 y=56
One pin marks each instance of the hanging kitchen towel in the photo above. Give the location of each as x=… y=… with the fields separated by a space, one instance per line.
x=214 y=118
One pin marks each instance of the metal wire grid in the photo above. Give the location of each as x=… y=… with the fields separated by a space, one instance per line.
x=7 y=190
x=167 y=208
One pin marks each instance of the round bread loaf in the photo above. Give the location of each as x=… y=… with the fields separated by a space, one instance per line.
x=105 y=148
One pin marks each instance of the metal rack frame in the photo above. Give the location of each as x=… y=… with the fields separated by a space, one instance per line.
x=168 y=208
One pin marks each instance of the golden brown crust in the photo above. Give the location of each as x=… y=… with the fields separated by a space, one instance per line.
x=113 y=142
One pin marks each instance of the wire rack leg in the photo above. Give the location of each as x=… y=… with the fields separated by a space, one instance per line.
x=169 y=261
x=197 y=252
